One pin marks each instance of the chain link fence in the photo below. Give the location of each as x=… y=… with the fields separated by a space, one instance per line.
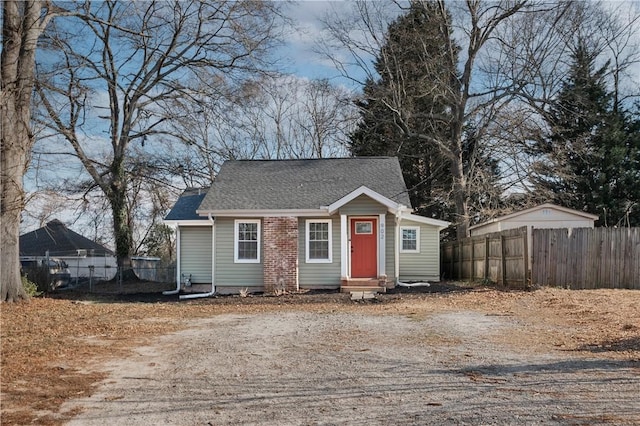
x=98 y=272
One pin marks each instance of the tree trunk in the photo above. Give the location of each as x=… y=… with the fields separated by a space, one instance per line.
x=121 y=223
x=21 y=26
x=459 y=196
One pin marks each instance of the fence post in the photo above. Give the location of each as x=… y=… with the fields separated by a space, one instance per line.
x=486 y=257
x=503 y=262
x=460 y=259
x=525 y=256
x=473 y=262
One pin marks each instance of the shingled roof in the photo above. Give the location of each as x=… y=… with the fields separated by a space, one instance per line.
x=302 y=184
x=59 y=240
x=185 y=207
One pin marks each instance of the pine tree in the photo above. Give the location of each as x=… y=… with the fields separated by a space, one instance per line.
x=411 y=64
x=591 y=156
x=410 y=112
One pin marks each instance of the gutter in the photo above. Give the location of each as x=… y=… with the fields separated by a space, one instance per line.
x=396 y=247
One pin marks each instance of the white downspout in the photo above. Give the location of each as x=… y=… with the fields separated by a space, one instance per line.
x=177 y=289
x=213 y=258
x=396 y=247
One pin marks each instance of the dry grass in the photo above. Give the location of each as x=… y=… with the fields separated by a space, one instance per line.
x=52 y=348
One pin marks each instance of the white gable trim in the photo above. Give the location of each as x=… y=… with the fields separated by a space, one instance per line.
x=440 y=224
x=363 y=190
x=532 y=209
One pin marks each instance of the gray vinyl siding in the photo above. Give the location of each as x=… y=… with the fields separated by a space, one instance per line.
x=195 y=253
x=426 y=264
x=363 y=206
x=390 y=264
x=319 y=275
x=227 y=272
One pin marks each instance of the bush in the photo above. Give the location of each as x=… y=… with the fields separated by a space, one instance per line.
x=39 y=277
x=30 y=287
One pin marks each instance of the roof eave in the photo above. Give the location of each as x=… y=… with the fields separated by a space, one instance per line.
x=440 y=224
x=264 y=213
x=187 y=222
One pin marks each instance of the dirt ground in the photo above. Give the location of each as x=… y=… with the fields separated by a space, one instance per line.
x=446 y=354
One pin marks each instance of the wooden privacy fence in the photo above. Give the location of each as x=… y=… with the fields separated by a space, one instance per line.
x=583 y=258
x=501 y=257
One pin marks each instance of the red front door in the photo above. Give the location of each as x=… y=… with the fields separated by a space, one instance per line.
x=364 y=249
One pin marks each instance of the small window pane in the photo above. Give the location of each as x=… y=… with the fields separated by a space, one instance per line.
x=364 y=228
x=318 y=249
x=247 y=250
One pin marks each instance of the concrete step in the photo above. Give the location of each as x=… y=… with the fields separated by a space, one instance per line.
x=361 y=282
x=362 y=288
x=363 y=295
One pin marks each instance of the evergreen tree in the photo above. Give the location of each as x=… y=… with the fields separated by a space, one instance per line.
x=591 y=156
x=411 y=63
x=410 y=112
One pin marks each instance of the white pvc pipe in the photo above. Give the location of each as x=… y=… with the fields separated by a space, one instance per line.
x=418 y=284
x=198 y=295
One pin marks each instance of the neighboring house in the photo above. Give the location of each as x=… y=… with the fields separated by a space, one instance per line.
x=286 y=225
x=544 y=216
x=81 y=254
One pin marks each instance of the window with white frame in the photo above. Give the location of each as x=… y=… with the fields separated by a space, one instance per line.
x=410 y=239
x=318 y=239
x=247 y=241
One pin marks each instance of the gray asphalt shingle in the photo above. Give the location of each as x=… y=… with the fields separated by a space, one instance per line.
x=302 y=184
x=59 y=240
x=185 y=207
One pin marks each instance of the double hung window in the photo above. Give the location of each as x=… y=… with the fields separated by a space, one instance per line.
x=247 y=241
x=410 y=239
x=318 y=240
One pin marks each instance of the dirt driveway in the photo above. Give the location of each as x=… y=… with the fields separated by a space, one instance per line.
x=459 y=366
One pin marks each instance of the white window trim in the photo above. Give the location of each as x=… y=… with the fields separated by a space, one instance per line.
x=306 y=238
x=236 y=227
x=415 y=228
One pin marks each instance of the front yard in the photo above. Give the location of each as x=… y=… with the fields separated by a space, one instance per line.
x=550 y=355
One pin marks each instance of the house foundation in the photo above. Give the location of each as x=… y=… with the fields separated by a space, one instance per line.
x=280 y=254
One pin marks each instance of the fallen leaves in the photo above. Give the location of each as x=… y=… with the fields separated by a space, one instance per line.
x=53 y=349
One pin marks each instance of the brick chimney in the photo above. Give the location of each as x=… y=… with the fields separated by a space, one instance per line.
x=280 y=254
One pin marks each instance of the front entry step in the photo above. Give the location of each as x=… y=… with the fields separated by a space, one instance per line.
x=359 y=288
x=363 y=295
x=362 y=285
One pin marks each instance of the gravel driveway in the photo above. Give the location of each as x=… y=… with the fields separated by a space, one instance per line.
x=301 y=368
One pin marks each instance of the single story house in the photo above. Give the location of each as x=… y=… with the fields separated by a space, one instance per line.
x=83 y=256
x=286 y=225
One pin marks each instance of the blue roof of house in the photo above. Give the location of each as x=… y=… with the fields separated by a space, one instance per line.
x=185 y=207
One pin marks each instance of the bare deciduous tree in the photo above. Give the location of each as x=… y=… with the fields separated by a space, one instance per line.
x=125 y=63
x=484 y=82
x=273 y=117
x=22 y=24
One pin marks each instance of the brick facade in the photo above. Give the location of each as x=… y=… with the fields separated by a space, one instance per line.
x=280 y=254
